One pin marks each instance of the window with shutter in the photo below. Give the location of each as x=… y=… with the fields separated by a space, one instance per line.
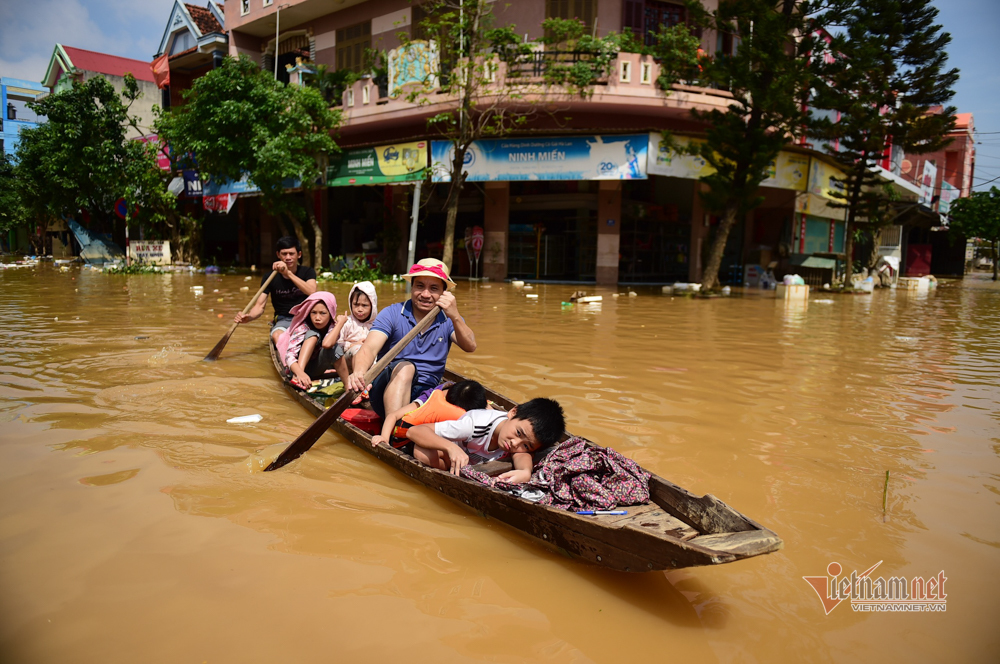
x=632 y=11
x=585 y=10
x=351 y=44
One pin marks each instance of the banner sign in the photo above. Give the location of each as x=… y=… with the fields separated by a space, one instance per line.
x=826 y=180
x=927 y=180
x=222 y=203
x=162 y=155
x=399 y=162
x=563 y=158
x=665 y=161
x=788 y=171
x=150 y=253
x=213 y=187
x=948 y=194
x=192 y=184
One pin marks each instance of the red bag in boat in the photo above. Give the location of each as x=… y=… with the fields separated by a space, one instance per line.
x=366 y=420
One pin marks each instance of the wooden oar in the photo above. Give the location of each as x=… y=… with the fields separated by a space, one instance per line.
x=215 y=352
x=308 y=437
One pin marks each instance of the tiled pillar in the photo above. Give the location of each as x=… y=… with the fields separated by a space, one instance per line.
x=496 y=224
x=609 y=226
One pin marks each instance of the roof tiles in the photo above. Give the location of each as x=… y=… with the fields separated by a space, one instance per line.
x=204 y=19
x=112 y=65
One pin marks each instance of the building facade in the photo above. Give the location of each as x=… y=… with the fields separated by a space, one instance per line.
x=594 y=197
x=15 y=94
x=70 y=64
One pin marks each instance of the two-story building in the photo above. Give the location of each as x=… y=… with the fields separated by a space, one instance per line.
x=15 y=93
x=69 y=64
x=583 y=191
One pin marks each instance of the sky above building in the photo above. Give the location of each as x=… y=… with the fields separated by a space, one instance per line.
x=29 y=29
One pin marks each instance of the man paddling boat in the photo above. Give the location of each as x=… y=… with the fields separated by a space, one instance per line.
x=292 y=284
x=419 y=365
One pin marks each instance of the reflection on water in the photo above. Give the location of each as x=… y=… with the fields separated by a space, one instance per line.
x=129 y=513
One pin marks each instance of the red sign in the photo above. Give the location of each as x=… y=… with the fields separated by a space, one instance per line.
x=162 y=158
x=219 y=203
x=476 y=238
x=121 y=210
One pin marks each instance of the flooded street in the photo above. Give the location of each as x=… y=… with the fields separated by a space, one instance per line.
x=132 y=531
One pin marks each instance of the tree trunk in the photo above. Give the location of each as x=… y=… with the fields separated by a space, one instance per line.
x=449 y=232
x=849 y=250
x=314 y=223
x=454 y=194
x=852 y=215
x=874 y=255
x=996 y=258
x=710 y=277
x=303 y=240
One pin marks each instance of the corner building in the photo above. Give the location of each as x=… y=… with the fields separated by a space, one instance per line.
x=545 y=217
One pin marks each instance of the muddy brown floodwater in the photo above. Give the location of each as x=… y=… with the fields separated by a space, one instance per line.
x=131 y=530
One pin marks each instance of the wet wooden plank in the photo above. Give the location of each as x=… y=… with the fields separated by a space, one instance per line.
x=747 y=543
x=706 y=514
x=653 y=518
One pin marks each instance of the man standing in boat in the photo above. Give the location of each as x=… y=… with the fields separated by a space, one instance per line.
x=419 y=365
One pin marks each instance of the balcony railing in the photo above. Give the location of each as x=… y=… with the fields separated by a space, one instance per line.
x=543 y=64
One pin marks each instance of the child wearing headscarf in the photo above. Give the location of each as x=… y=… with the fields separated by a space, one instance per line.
x=352 y=329
x=299 y=345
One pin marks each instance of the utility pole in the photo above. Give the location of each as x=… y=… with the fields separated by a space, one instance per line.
x=277 y=33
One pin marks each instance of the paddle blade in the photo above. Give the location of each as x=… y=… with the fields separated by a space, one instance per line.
x=309 y=437
x=215 y=352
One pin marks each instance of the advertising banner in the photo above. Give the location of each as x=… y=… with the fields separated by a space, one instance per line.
x=826 y=180
x=563 y=158
x=192 y=184
x=788 y=171
x=162 y=157
x=665 y=161
x=222 y=203
x=212 y=187
x=150 y=253
x=399 y=162
x=949 y=194
x=927 y=180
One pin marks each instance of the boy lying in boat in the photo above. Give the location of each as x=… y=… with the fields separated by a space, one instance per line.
x=448 y=401
x=489 y=435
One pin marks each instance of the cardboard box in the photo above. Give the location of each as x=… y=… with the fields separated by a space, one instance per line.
x=783 y=292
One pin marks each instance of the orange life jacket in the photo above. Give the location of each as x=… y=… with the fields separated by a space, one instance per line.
x=437 y=409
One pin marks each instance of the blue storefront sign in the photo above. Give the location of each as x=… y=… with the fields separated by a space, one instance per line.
x=564 y=158
x=192 y=184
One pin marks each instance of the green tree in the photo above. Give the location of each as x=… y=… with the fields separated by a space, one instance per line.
x=12 y=212
x=887 y=75
x=978 y=216
x=769 y=77
x=238 y=121
x=81 y=158
x=482 y=104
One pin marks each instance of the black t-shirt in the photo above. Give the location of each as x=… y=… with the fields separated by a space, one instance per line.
x=284 y=293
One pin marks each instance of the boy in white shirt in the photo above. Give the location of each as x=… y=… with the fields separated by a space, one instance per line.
x=488 y=435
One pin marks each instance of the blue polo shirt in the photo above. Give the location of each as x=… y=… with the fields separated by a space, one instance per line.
x=428 y=351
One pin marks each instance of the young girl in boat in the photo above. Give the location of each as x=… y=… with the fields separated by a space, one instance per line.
x=352 y=329
x=447 y=401
x=299 y=346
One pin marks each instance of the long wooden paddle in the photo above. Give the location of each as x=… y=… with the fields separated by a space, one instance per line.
x=309 y=437
x=215 y=352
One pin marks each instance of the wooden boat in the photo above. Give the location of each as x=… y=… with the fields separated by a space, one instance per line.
x=674 y=529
